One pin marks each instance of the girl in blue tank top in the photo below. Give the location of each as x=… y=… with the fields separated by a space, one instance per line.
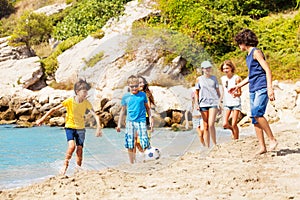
x=260 y=87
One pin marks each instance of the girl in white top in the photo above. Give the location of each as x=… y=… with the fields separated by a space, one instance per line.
x=231 y=102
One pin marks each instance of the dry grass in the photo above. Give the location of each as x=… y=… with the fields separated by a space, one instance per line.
x=24 y=5
x=42 y=50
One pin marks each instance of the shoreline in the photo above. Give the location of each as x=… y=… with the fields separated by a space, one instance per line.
x=228 y=171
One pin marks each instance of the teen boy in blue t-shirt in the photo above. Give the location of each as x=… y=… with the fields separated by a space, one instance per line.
x=136 y=103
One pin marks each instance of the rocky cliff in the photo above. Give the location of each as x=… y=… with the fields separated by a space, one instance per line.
x=25 y=97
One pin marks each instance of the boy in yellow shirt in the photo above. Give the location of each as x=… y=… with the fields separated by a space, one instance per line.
x=75 y=127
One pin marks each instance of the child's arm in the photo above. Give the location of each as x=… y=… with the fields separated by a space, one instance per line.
x=218 y=92
x=150 y=116
x=220 y=103
x=52 y=110
x=238 y=92
x=260 y=58
x=239 y=85
x=197 y=97
x=186 y=119
x=221 y=94
x=118 y=128
x=99 y=130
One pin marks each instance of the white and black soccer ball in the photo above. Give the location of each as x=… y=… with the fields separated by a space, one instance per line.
x=152 y=153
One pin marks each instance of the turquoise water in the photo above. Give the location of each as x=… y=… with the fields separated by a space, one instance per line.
x=29 y=155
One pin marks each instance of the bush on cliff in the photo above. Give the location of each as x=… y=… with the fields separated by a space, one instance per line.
x=215 y=23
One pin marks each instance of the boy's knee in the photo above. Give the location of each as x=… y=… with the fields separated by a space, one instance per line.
x=234 y=124
x=71 y=148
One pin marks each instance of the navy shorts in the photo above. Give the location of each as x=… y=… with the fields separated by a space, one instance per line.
x=76 y=134
x=258 y=103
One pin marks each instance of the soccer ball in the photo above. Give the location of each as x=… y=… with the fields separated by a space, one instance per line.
x=152 y=153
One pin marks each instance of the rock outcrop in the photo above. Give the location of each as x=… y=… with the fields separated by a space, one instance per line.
x=18 y=69
x=24 y=97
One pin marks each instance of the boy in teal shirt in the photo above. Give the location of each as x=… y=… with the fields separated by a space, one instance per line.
x=136 y=103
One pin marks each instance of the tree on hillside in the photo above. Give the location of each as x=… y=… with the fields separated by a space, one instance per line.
x=32 y=29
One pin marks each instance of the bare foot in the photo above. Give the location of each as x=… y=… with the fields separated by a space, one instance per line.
x=260 y=152
x=273 y=145
x=202 y=140
x=78 y=169
x=63 y=170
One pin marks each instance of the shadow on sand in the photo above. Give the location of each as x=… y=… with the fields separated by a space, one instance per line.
x=284 y=152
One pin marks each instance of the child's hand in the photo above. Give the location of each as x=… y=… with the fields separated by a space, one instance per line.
x=98 y=132
x=233 y=90
x=118 y=129
x=219 y=111
x=271 y=94
x=151 y=129
x=151 y=120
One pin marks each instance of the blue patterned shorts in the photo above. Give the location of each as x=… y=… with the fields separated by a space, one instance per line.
x=131 y=129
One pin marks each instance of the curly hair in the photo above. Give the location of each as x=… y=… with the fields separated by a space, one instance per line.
x=246 y=37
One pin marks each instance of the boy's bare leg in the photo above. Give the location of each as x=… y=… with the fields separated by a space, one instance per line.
x=261 y=140
x=266 y=128
x=69 y=153
x=131 y=155
x=79 y=155
x=66 y=164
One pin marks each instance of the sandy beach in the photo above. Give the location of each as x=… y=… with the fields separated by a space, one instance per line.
x=227 y=171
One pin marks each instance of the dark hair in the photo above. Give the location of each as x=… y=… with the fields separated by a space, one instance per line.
x=246 y=37
x=230 y=64
x=147 y=90
x=81 y=85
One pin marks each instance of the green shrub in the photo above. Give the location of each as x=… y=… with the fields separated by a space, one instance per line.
x=279 y=39
x=50 y=63
x=31 y=29
x=94 y=60
x=211 y=28
x=98 y=34
x=87 y=16
x=213 y=24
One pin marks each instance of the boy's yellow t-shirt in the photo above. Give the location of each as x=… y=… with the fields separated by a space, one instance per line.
x=75 y=113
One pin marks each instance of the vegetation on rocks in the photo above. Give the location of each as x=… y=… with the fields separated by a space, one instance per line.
x=210 y=24
x=86 y=17
x=215 y=23
x=83 y=18
x=50 y=64
x=31 y=29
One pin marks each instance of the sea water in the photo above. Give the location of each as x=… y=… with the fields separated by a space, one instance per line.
x=29 y=155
